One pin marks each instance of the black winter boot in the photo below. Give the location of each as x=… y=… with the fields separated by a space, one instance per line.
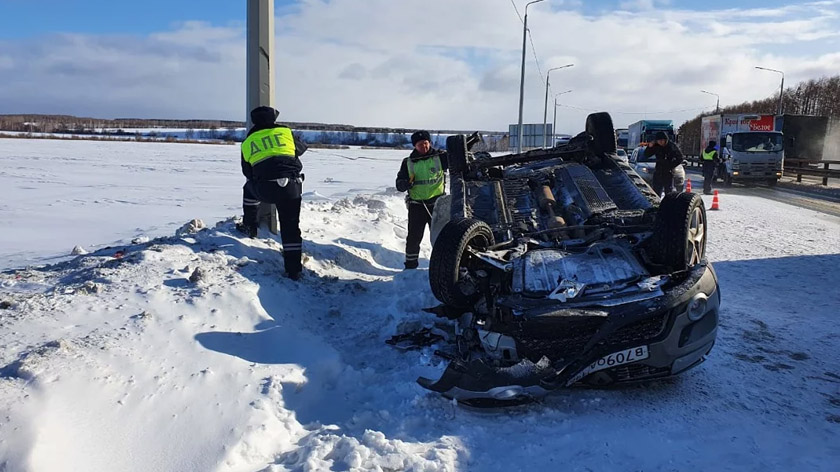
x=247 y=230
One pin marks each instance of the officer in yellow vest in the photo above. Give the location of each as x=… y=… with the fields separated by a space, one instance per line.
x=270 y=162
x=422 y=175
x=710 y=161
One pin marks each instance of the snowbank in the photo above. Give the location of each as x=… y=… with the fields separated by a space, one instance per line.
x=117 y=360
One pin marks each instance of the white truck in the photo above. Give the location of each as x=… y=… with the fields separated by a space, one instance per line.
x=754 y=149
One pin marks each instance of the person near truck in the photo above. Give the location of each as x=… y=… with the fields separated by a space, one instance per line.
x=668 y=157
x=271 y=164
x=710 y=161
x=421 y=174
x=722 y=171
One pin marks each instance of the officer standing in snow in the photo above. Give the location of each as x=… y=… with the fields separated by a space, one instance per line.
x=422 y=175
x=668 y=157
x=270 y=162
x=710 y=161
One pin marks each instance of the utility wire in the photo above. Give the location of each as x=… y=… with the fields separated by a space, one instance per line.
x=533 y=49
x=633 y=112
x=517 y=11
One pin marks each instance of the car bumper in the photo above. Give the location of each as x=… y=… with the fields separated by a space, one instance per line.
x=683 y=344
x=674 y=346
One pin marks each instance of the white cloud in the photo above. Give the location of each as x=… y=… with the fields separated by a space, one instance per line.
x=432 y=63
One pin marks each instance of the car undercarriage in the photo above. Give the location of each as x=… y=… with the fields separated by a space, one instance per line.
x=560 y=267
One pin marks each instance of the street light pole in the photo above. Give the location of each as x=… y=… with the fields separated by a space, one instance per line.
x=522 y=73
x=781 y=87
x=545 y=112
x=554 y=125
x=717 y=105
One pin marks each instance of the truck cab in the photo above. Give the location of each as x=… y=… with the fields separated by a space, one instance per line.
x=755 y=156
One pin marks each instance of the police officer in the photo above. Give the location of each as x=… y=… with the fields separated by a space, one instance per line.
x=668 y=157
x=422 y=175
x=271 y=165
x=710 y=161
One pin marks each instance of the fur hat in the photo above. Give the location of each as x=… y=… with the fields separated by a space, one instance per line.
x=420 y=136
x=264 y=115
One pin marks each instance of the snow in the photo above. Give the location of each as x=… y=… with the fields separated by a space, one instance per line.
x=116 y=360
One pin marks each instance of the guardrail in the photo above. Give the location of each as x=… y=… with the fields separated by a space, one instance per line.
x=798 y=167
x=802 y=167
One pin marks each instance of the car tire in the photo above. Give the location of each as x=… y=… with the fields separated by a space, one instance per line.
x=680 y=232
x=456 y=150
x=449 y=257
x=600 y=127
x=772 y=182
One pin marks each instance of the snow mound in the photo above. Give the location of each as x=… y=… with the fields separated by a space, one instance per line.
x=243 y=369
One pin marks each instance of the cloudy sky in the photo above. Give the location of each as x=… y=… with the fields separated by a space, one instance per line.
x=411 y=63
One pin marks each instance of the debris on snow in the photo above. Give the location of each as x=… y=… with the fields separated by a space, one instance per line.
x=192 y=227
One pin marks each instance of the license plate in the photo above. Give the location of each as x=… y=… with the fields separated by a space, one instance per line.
x=617 y=358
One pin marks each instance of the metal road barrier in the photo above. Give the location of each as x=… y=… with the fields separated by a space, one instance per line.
x=822 y=169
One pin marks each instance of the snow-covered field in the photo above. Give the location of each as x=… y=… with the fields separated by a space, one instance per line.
x=123 y=363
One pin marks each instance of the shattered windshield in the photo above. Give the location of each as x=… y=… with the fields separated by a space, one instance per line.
x=757 y=142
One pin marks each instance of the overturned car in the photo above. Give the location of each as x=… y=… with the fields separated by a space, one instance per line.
x=561 y=267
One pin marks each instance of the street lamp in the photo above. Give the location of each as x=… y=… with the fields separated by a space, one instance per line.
x=781 y=87
x=545 y=112
x=522 y=73
x=554 y=126
x=717 y=105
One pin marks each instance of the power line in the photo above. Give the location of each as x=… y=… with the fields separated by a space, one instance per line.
x=534 y=50
x=633 y=112
x=517 y=11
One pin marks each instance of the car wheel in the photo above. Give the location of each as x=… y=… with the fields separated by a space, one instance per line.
x=679 y=241
x=600 y=127
x=772 y=182
x=456 y=150
x=451 y=262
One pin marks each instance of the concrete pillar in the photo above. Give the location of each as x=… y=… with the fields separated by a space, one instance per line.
x=260 y=77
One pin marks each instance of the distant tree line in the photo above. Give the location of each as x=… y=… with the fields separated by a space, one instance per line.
x=819 y=97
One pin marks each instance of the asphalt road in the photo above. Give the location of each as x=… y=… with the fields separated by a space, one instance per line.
x=828 y=204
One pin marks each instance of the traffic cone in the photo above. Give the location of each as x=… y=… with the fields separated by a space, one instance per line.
x=715 y=204
x=688 y=185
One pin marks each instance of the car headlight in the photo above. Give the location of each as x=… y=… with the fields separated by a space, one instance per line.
x=645 y=170
x=697 y=307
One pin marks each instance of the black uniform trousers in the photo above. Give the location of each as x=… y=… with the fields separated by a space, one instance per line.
x=287 y=199
x=708 y=175
x=419 y=216
x=663 y=181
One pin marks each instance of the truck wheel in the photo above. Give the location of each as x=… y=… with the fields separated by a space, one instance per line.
x=450 y=264
x=456 y=149
x=679 y=237
x=600 y=127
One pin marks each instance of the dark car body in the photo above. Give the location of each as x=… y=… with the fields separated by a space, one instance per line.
x=561 y=267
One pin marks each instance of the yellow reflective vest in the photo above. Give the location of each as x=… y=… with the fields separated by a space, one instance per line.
x=266 y=143
x=427 y=177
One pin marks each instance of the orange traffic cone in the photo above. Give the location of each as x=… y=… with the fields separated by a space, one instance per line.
x=715 y=204
x=688 y=185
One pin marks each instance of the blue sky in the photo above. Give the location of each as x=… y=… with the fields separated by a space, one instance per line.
x=410 y=63
x=131 y=17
